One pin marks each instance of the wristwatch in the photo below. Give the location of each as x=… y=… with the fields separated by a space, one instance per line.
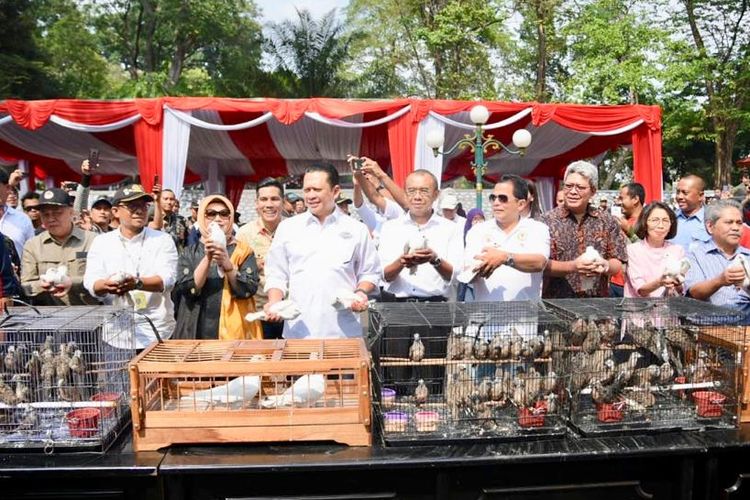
x=436 y=262
x=138 y=284
x=510 y=261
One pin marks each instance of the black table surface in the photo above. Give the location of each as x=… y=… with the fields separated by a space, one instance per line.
x=327 y=456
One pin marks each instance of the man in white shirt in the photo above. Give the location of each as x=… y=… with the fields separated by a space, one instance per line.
x=318 y=255
x=424 y=274
x=145 y=260
x=14 y=224
x=508 y=251
x=419 y=275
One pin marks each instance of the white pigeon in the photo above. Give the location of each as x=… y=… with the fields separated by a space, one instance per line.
x=287 y=309
x=469 y=272
x=217 y=236
x=591 y=256
x=119 y=277
x=676 y=269
x=55 y=275
x=745 y=264
x=416 y=242
x=344 y=299
x=241 y=388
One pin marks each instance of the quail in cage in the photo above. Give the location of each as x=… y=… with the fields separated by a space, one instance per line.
x=485 y=389
x=646 y=375
x=578 y=331
x=23 y=392
x=13 y=360
x=421 y=393
x=416 y=350
x=34 y=365
x=546 y=345
x=516 y=344
x=500 y=388
x=481 y=349
x=7 y=394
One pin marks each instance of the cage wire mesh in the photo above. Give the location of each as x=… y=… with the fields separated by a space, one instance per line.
x=63 y=382
x=651 y=364
x=454 y=372
x=248 y=384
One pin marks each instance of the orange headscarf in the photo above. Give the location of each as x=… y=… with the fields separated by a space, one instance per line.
x=232 y=324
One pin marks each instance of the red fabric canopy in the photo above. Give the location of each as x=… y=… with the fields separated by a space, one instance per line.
x=54 y=136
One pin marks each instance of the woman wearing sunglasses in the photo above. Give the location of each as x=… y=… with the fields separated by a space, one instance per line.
x=647 y=257
x=214 y=304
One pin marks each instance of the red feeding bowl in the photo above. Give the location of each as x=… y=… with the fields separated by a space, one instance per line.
x=709 y=403
x=532 y=417
x=112 y=397
x=83 y=422
x=610 y=412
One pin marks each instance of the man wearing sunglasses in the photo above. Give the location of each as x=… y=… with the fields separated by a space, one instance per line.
x=508 y=252
x=135 y=266
x=574 y=226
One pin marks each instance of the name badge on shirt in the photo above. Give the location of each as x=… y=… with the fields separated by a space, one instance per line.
x=139 y=299
x=81 y=255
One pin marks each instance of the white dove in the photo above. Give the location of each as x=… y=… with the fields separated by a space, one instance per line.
x=240 y=388
x=217 y=236
x=416 y=242
x=287 y=309
x=676 y=269
x=591 y=256
x=745 y=264
x=55 y=275
x=119 y=276
x=305 y=391
x=344 y=299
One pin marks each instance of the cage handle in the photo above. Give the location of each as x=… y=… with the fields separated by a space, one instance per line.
x=15 y=300
x=151 y=323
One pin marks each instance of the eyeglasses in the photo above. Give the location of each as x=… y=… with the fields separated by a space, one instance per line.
x=499 y=197
x=575 y=187
x=422 y=191
x=224 y=214
x=135 y=206
x=656 y=222
x=29 y=209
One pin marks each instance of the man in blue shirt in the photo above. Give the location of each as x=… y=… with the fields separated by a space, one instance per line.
x=691 y=212
x=716 y=273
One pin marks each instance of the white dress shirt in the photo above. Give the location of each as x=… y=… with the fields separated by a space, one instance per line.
x=17 y=226
x=506 y=283
x=313 y=262
x=150 y=253
x=443 y=236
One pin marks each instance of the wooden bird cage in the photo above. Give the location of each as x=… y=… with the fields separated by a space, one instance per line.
x=733 y=341
x=212 y=391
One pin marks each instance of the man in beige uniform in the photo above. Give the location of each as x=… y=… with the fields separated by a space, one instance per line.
x=269 y=203
x=61 y=244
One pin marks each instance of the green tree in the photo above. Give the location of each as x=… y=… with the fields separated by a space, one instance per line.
x=24 y=70
x=309 y=54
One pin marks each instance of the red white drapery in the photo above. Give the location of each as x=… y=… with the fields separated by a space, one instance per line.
x=227 y=142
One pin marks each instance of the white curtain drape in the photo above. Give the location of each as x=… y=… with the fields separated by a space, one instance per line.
x=174 y=152
x=545 y=192
x=213 y=143
x=423 y=157
x=489 y=126
x=187 y=117
x=107 y=127
x=347 y=124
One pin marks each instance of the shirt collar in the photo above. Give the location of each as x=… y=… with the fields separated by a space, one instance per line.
x=710 y=247
x=76 y=233
x=331 y=219
x=135 y=238
x=434 y=219
x=700 y=214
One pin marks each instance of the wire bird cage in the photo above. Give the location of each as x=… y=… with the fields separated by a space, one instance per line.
x=651 y=364
x=193 y=391
x=63 y=383
x=455 y=372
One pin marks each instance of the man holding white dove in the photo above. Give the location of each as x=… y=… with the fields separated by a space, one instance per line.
x=323 y=261
x=135 y=266
x=508 y=252
x=54 y=260
x=720 y=268
x=587 y=246
x=420 y=251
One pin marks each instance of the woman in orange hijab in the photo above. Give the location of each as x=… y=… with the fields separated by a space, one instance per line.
x=216 y=283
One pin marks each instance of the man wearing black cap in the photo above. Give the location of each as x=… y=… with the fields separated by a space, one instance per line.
x=101 y=215
x=135 y=266
x=61 y=244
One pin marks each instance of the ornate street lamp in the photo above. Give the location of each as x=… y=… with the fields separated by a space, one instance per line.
x=479 y=144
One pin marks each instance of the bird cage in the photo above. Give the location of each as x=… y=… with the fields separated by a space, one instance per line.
x=647 y=364
x=455 y=372
x=63 y=384
x=214 y=391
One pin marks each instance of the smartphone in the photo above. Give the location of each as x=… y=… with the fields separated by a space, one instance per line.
x=93 y=158
x=357 y=163
x=156 y=179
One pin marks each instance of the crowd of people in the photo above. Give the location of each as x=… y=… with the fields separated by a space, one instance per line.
x=198 y=277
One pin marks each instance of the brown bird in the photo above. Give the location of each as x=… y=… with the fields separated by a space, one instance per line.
x=455 y=348
x=701 y=372
x=498 y=391
x=519 y=396
x=516 y=344
x=22 y=390
x=421 y=393
x=416 y=350
x=579 y=329
x=551 y=400
x=29 y=421
x=13 y=360
x=62 y=363
x=34 y=365
x=666 y=373
x=549 y=382
x=645 y=376
x=481 y=349
x=48 y=375
x=547 y=345
x=485 y=389
x=78 y=369
x=536 y=345
x=7 y=394
x=47 y=350
x=593 y=340
x=608 y=331
x=467 y=343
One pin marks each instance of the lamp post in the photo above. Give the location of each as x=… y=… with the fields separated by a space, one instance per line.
x=479 y=144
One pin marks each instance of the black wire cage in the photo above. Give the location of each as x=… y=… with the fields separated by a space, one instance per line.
x=63 y=379
x=651 y=364
x=455 y=372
